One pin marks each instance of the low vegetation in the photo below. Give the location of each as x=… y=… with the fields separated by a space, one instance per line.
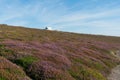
x=35 y=54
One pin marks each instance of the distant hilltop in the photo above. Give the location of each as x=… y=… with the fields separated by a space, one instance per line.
x=4 y=24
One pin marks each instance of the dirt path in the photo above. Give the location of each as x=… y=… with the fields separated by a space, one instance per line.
x=115 y=74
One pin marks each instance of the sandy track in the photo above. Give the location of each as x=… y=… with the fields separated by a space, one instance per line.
x=115 y=73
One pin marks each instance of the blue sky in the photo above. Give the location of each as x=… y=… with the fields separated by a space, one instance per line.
x=81 y=16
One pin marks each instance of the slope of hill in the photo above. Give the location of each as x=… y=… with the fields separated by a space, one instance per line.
x=51 y=55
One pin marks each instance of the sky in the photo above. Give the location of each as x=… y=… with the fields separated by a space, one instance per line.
x=79 y=16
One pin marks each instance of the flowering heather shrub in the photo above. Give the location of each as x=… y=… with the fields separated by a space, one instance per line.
x=19 y=44
x=46 y=70
x=61 y=60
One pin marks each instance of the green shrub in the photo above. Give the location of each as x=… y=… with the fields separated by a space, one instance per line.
x=5 y=52
x=2 y=78
x=25 y=61
x=96 y=74
x=80 y=73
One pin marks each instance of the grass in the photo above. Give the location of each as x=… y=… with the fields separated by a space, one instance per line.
x=5 y=52
x=26 y=61
x=84 y=73
x=10 y=71
x=2 y=78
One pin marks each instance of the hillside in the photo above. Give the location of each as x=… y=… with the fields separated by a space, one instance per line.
x=34 y=54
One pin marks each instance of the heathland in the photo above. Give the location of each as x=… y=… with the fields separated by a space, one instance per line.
x=34 y=54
